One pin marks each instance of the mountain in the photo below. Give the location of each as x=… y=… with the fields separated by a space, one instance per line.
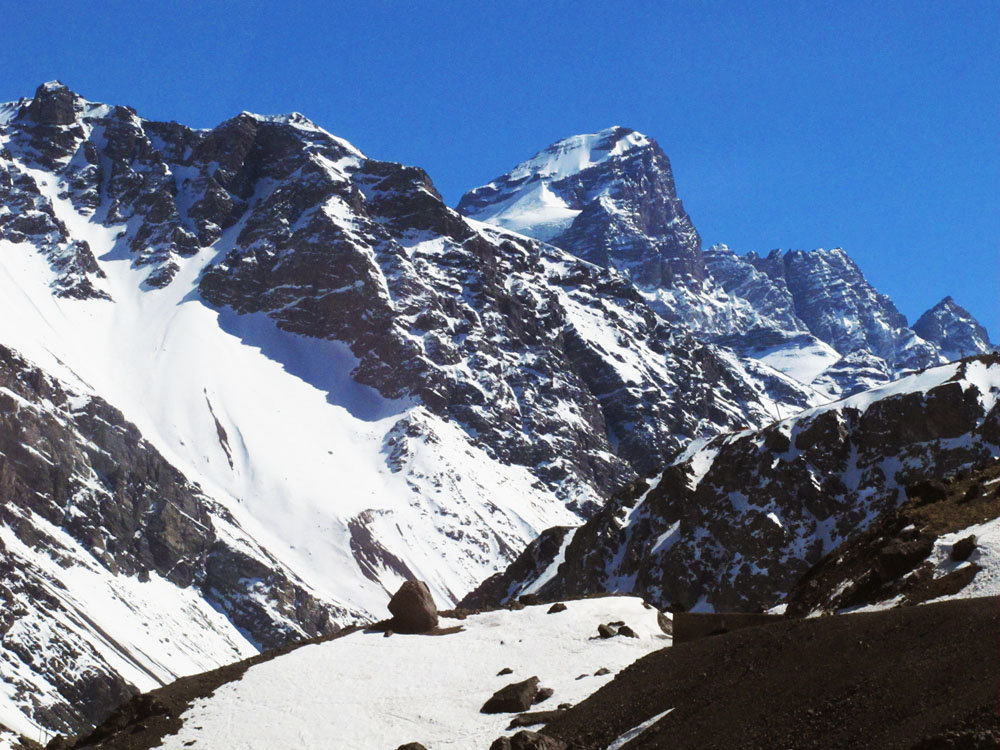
x=343 y=382
x=252 y=379
x=610 y=197
x=950 y=327
x=738 y=519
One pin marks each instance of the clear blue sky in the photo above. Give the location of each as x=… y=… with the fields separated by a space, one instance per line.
x=789 y=124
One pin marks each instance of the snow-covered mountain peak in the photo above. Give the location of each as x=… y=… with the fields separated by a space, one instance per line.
x=952 y=328
x=579 y=152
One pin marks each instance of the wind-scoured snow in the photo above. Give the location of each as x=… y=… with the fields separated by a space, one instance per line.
x=365 y=691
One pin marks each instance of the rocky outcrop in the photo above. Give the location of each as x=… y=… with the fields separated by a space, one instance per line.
x=737 y=520
x=512 y=698
x=909 y=555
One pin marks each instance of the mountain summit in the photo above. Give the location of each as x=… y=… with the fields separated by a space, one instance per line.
x=609 y=198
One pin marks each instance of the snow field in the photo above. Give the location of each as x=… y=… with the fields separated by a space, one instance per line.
x=365 y=691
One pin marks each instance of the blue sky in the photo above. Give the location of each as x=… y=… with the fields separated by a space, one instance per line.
x=789 y=124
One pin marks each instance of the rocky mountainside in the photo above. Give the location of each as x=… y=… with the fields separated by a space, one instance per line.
x=118 y=573
x=252 y=379
x=942 y=543
x=610 y=197
x=346 y=381
x=738 y=519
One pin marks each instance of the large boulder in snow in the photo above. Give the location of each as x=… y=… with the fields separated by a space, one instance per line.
x=413 y=609
x=514 y=698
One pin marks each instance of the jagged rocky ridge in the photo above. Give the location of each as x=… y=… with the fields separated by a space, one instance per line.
x=610 y=197
x=364 y=385
x=738 y=519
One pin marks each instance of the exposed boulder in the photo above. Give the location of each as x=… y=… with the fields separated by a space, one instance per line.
x=556 y=608
x=899 y=557
x=963 y=548
x=514 y=698
x=413 y=609
x=543 y=694
x=605 y=631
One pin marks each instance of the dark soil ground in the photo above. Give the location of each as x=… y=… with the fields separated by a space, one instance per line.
x=917 y=677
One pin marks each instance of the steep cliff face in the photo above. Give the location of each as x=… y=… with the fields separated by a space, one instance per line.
x=739 y=518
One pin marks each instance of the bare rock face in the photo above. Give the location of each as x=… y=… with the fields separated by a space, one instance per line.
x=901 y=558
x=413 y=609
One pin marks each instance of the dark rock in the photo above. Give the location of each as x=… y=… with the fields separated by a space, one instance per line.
x=555 y=608
x=543 y=694
x=602 y=671
x=54 y=104
x=513 y=698
x=975 y=490
x=413 y=609
x=411 y=746
x=963 y=548
x=533 y=718
x=627 y=632
x=526 y=740
x=605 y=631
x=505 y=670
x=528 y=599
x=899 y=557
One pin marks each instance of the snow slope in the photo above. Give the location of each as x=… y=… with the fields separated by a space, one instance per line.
x=366 y=691
x=300 y=462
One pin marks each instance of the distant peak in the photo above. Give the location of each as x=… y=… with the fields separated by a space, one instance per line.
x=579 y=152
